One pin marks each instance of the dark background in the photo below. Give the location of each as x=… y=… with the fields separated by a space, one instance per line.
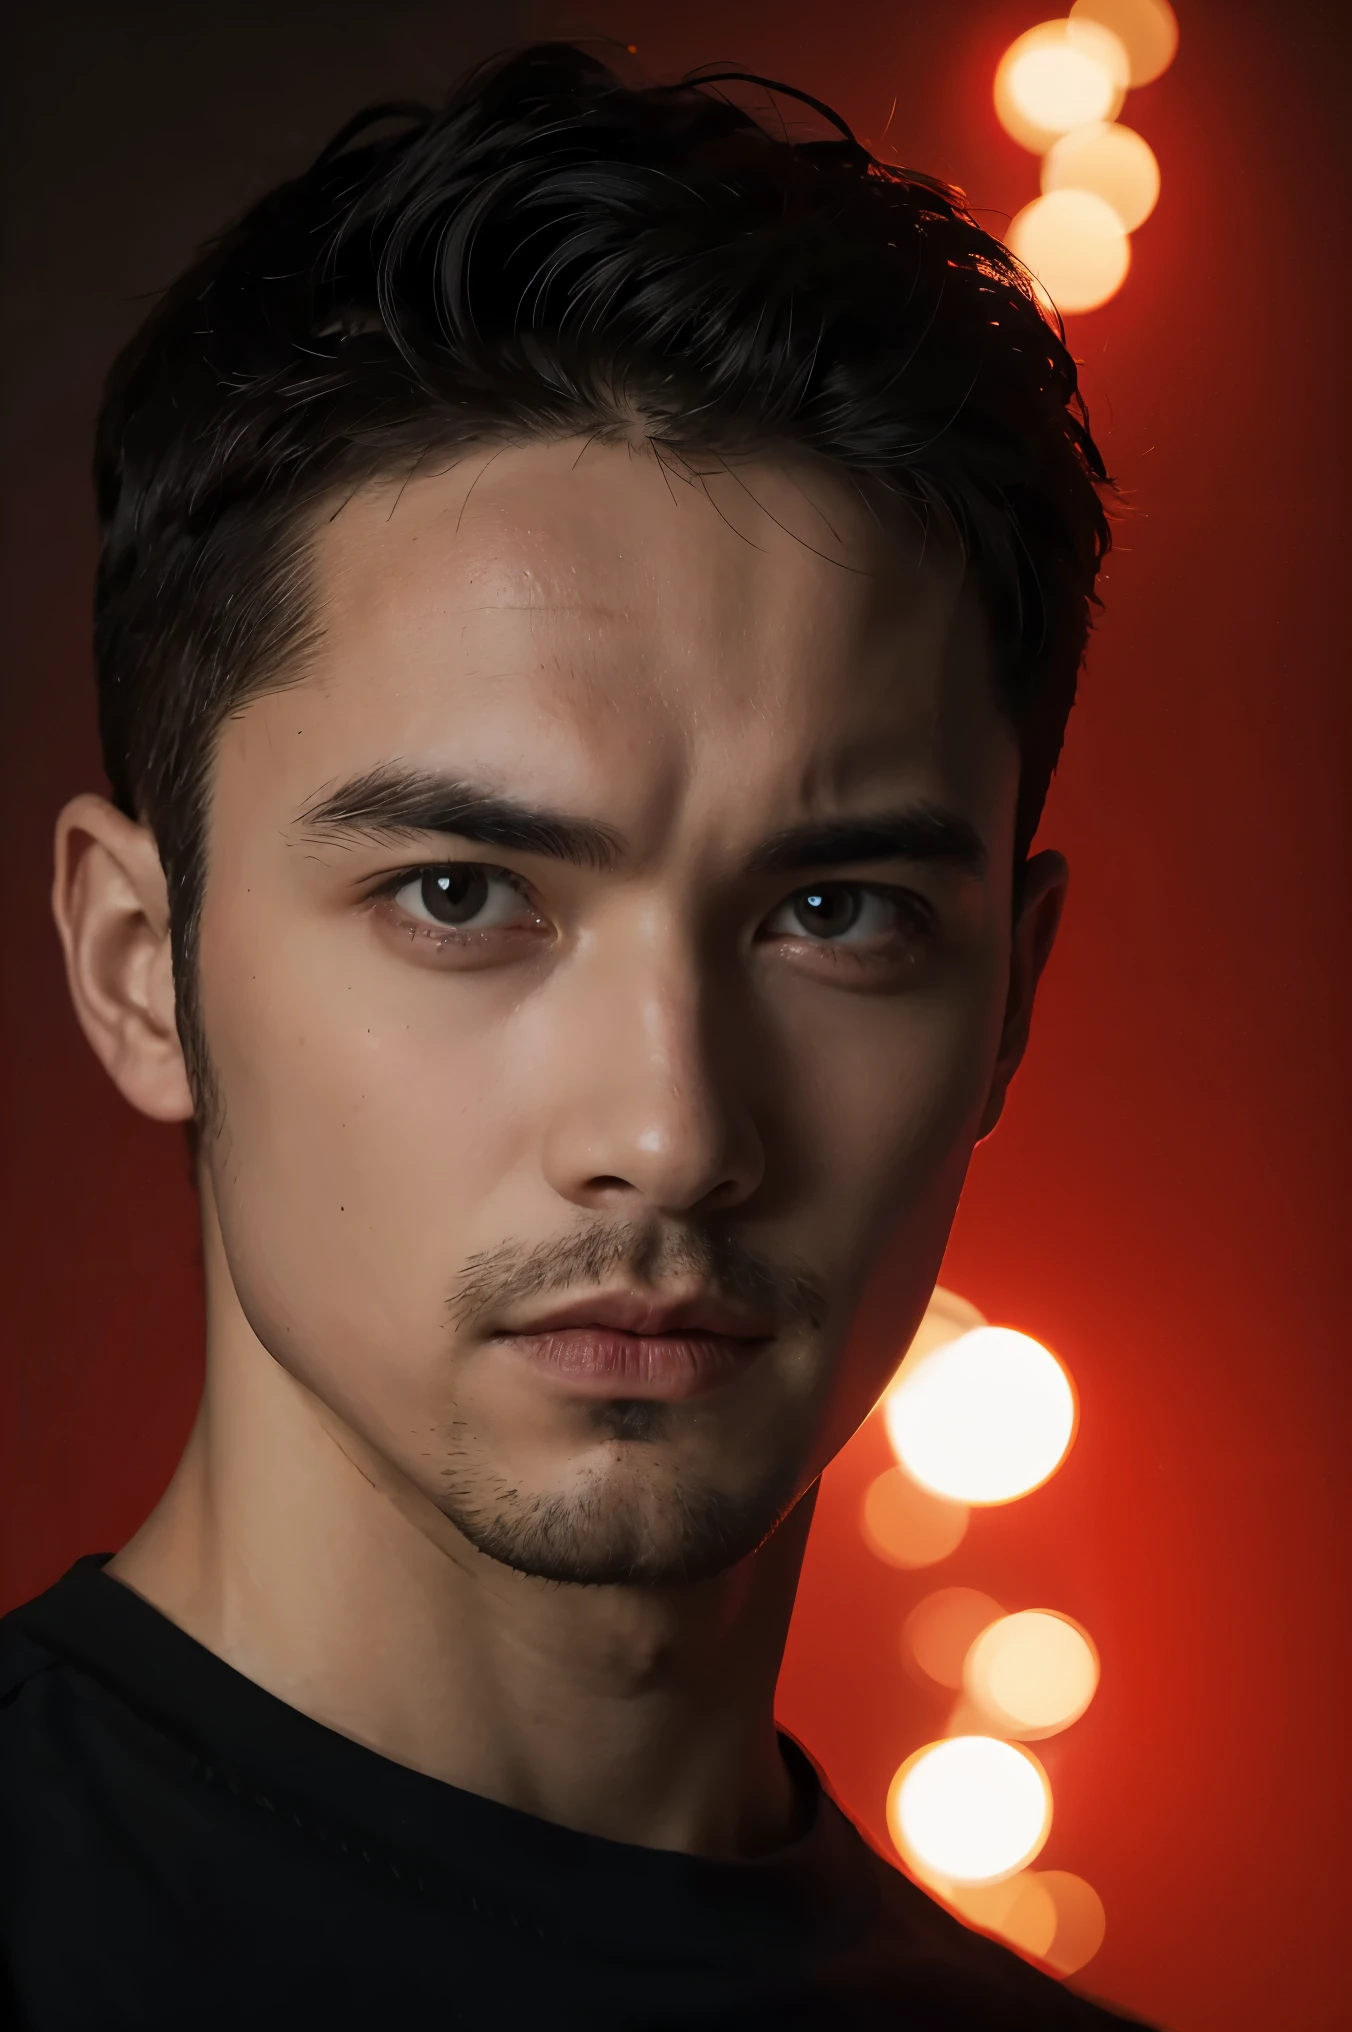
x=1164 y=1204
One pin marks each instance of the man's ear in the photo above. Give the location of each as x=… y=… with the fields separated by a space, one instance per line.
x=111 y=905
x=1039 y=897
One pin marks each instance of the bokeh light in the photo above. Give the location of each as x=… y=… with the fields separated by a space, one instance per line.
x=1031 y=1673
x=1111 y=162
x=983 y=1419
x=969 y=1809
x=1020 y=1909
x=1075 y=246
x=1052 y=1914
x=909 y=1526
x=1147 y=30
x=942 y=1629
x=1058 y=76
x=1080 y=1920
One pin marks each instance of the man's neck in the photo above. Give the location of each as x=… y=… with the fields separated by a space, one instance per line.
x=309 y=1563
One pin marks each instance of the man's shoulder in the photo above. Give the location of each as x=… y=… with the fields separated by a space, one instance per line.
x=30 y=1634
x=25 y=1660
x=41 y=1733
x=966 y=1977
x=28 y=1654
x=52 y=1687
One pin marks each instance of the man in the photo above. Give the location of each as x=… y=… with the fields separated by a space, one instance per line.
x=590 y=598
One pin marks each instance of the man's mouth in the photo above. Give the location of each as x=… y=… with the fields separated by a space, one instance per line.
x=632 y=1345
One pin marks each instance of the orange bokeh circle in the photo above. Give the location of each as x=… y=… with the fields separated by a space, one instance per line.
x=1058 y=76
x=1147 y=30
x=1075 y=247
x=1111 y=162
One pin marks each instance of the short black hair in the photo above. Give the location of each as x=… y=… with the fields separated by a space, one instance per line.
x=556 y=252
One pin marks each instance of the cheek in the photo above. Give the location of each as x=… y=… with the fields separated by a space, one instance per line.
x=889 y=1111
x=889 y=1094
x=368 y=1125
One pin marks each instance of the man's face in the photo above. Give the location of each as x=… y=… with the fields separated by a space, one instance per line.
x=603 y=958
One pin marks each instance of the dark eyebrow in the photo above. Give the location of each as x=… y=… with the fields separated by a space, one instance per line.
x=393 y=802
x=924 y=833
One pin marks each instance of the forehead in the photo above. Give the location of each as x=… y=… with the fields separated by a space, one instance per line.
x=583 y=622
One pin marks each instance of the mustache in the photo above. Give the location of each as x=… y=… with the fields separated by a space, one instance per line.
x=597 y=1254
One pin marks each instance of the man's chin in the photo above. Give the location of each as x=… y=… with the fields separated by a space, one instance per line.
x=614 y=1529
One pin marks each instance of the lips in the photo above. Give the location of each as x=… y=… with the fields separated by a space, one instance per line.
x=622 y=1344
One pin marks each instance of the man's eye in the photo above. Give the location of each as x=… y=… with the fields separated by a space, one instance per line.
x=465 y=896
x=843 y=913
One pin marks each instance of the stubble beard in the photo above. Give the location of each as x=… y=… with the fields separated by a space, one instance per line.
x=633 y=1523
x=636 y=1519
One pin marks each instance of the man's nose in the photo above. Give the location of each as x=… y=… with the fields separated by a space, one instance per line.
x=652 y=1108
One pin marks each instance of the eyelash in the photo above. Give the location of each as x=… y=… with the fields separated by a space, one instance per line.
x=918 y=924
x=916 y=910
x=390 y=885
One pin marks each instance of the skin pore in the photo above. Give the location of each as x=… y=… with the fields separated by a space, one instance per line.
x=607 y=945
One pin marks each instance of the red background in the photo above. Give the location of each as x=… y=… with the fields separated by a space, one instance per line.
x=1162 y=1204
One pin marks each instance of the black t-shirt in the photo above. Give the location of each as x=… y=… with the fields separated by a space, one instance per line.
x=181 y=1849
